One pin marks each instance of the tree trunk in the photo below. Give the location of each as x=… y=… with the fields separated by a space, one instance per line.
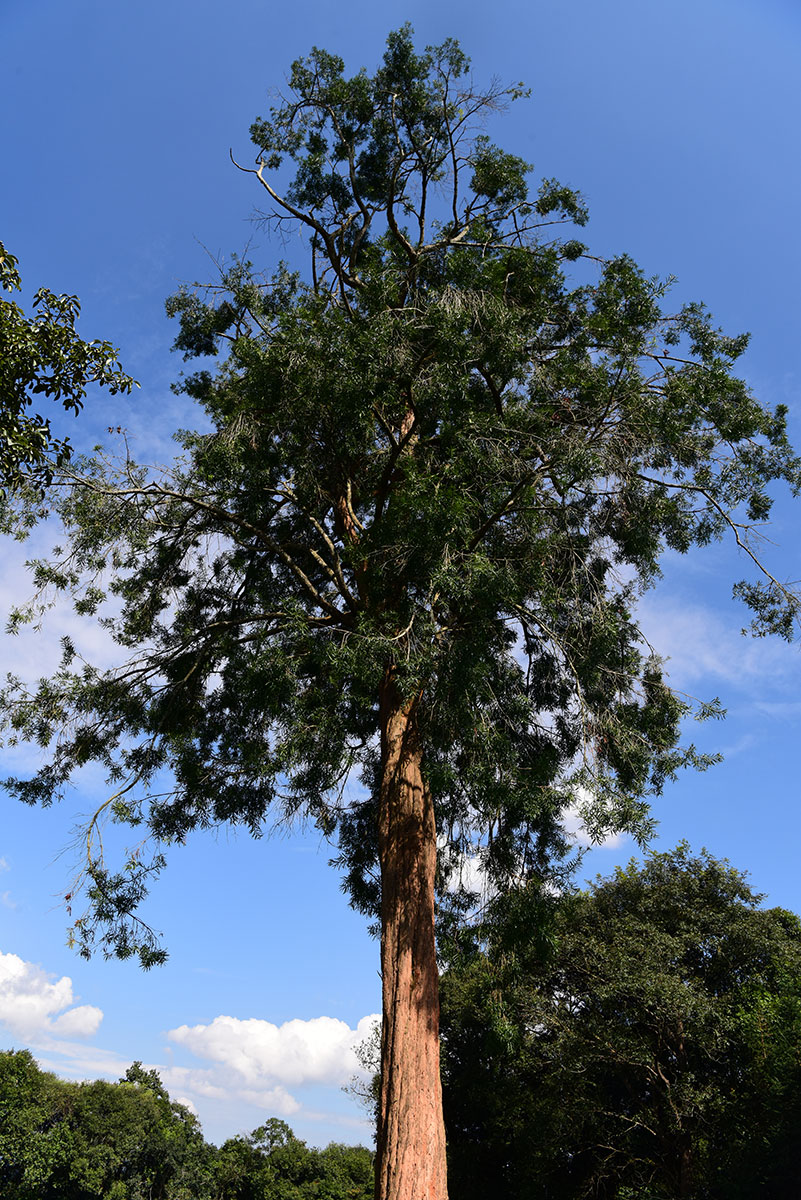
x=685 y=1169
x=410 y=1159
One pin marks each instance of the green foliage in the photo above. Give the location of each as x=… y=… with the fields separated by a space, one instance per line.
x=125 y=1141
x=36 y=1144
x=129 y=1141
x=437 y=456
x=43 y=356
x=651 y=1052
x=272 y=1162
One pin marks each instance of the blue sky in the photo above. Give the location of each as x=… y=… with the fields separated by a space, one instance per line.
x=677 y=122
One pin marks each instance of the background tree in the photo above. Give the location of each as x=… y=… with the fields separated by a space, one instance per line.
x=272 y=1162
x=132 y=1143
x=36 y=1143
x=129 y=1141
x=408 y=553
x=123 y=1141
x=652 y=1052
x=43 y=356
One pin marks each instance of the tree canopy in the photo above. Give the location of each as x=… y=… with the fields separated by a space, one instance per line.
x=449 y=460
x=394 y=588
x=272 y=1162
x=649 y=1051
x=129 y=1141
x=68 y=1141
x=43 y=356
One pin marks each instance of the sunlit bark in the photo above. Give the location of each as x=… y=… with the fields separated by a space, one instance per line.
x=411 y=1136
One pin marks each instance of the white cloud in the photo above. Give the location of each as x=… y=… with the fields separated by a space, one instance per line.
x=701 y=646
x=262 y=1055
x=575 y=828
x=83 y=1021
x=74 y=1060
x=274 y=1100
x=7 y=900
x=250 y=1064
x=4 y=865
x=780 y=710
x=471 y=874
x=221 y=1083
x=32 y=1003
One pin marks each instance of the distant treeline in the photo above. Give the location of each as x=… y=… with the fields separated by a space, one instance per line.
x=640 y=1039
x=129 y=1141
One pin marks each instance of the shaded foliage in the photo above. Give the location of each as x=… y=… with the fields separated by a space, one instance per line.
x=653 y=1051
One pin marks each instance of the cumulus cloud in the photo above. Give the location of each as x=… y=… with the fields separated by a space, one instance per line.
x=256 y=1062
x=83 y=1021
x=33 y=1002
x=265 y=1058
x=249 y=1064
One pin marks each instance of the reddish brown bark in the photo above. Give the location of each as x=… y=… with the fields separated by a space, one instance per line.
x=410 y=1160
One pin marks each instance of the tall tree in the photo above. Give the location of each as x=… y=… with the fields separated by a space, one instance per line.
x=43 y=356
x=409 y=550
